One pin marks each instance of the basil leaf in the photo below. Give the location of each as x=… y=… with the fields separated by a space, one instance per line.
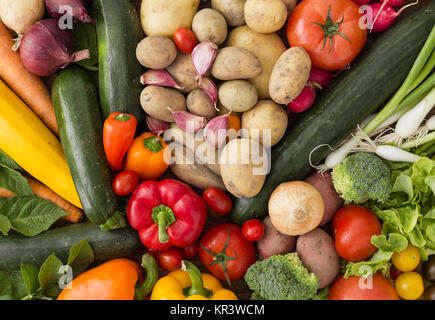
x=30 y=277
x=6 y=161
x=80 y=257
x=31 y=215
x=85 y=37
x=5 y=224
x=50 y=272
x=13 y=181
x=5 y=286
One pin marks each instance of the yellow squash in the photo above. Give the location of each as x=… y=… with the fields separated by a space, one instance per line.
x=33 y=146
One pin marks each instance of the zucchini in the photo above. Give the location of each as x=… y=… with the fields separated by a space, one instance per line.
x=349 y=99
x=118 y=33
x=16 y=249
x=75 y=100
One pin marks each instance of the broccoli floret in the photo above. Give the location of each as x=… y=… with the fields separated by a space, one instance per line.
x=361 y=177
x=281 y=277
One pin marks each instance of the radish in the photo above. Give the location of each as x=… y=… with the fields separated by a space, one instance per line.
x=395 y=3
x=362 y=2
x=304 y=101
x=384 y=15
x=320 y=77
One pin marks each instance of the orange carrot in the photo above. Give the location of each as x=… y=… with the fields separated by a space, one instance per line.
x=30 y=88
x=75 y=215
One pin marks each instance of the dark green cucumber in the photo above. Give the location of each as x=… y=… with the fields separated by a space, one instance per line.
x=16 y=249
x=118 y=33
x=350 y=98
x=75 y=100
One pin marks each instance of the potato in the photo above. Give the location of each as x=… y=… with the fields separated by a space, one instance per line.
x=163 y=17
x=323 y=183
x=234 y=63
x=266 y=47
x=265 y=16
x=232 y=10
x=316 y=249
x=290 y=75
x=156 y=100
x=291 y=5
x=210 y=26
x=238 y=95
x=156 y=52
x=274 y=242
x=265 y=115
x=199 y=103
x=243 y=166
x=183 y=72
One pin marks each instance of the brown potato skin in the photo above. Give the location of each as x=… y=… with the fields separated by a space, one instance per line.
x=274 y=242
x=183 y=72
x=234 y=63
x=265 y=16
x=200 y=104
x=232 y=10
x=156 y=100
x=156 y=52
x=210 y=26
x=238 y=95
x=323 y=183
x=317 y=251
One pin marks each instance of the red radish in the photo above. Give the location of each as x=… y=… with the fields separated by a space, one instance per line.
x=384 y=15
x=362 y=2
x=395 y=3
x=304 y=101
x=45 y=48
x=320 y=77
x=78 y=9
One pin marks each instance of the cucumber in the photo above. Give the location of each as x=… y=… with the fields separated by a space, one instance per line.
x=75 y=100
x=118 y=33
x=348 y=100
x=16 y=249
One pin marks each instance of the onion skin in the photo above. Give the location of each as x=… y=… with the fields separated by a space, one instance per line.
x=45 y=48
x=79 y=11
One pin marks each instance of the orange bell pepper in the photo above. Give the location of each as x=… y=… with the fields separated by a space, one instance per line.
x=146 y=156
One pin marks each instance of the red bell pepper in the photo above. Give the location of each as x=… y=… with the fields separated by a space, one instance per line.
x=166 y=213
x=118 y=133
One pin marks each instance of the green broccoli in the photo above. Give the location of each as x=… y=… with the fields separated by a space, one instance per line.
x=281 y=277
x=361 y=177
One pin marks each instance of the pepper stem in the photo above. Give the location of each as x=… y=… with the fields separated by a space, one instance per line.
x=149 y=263
x=195 y=275
x=164 y=217
x=153 y=144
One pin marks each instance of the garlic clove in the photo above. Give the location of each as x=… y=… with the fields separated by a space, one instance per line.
x=156 y=126
x=209 y=87
x=159 y=78
x=189 y=122
x=215 y=131
x=203 y=56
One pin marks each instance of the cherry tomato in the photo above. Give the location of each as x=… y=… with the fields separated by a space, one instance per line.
x=409 y=285
x=329 y=31
x=225 y=252
x=394 y=272
x=407 y=260
x=170 y=259
x=354 y=227
x=253 y=230
x=376 y=287
x=185 y=40
x=190 y=251
x=429 y=293
x=125 y=183
x=429 y=269
x=217 y=200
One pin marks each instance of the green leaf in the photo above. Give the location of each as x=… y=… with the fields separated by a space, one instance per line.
x=5 y=285
x=430 y=181
x=6 y=161
x=30 y=277
x=403 y=183
x=19 y=287
x=420 y=170
x=50 y=272
x=80 y=257
x=5 y=224
x=378 y=263
x=395 y=242
x=85 y=37
x=430 y=231
x=430 y=214
x=13 y=181
x=416 y=238
x=31 y=215
x=408 y=217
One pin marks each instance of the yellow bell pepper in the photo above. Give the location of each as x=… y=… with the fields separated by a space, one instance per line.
x=189 y=284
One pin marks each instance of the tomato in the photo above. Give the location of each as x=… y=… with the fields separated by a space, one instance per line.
x=409 y=285
x=253 y=230
x=429 y=269
x=394 y=272
x=329 y=31
x=354 y=227
x=407 y=260
x=185 y=40
x=125 y=183
x=376 y=287
x=429 y=293
x=225 y=252
x=170 y=259
x=190 y=251
x=217 y=200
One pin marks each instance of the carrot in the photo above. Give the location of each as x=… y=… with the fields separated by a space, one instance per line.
x=30 y=88
x=75 y=215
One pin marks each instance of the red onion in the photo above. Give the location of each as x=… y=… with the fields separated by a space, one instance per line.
x=78 y=8
x=45 y=48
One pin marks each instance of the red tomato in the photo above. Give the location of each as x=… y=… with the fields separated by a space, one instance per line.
x=253 y=230
x=225 y=252
x=376 y=287
x=217 y=200
x=331 y=44
x=354 y=227
x=125 y=183
x=170 y=259
x=394 y=272
x=185 y=40
x=190 y=251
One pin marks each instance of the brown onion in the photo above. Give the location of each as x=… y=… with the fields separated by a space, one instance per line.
x=78 y=9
